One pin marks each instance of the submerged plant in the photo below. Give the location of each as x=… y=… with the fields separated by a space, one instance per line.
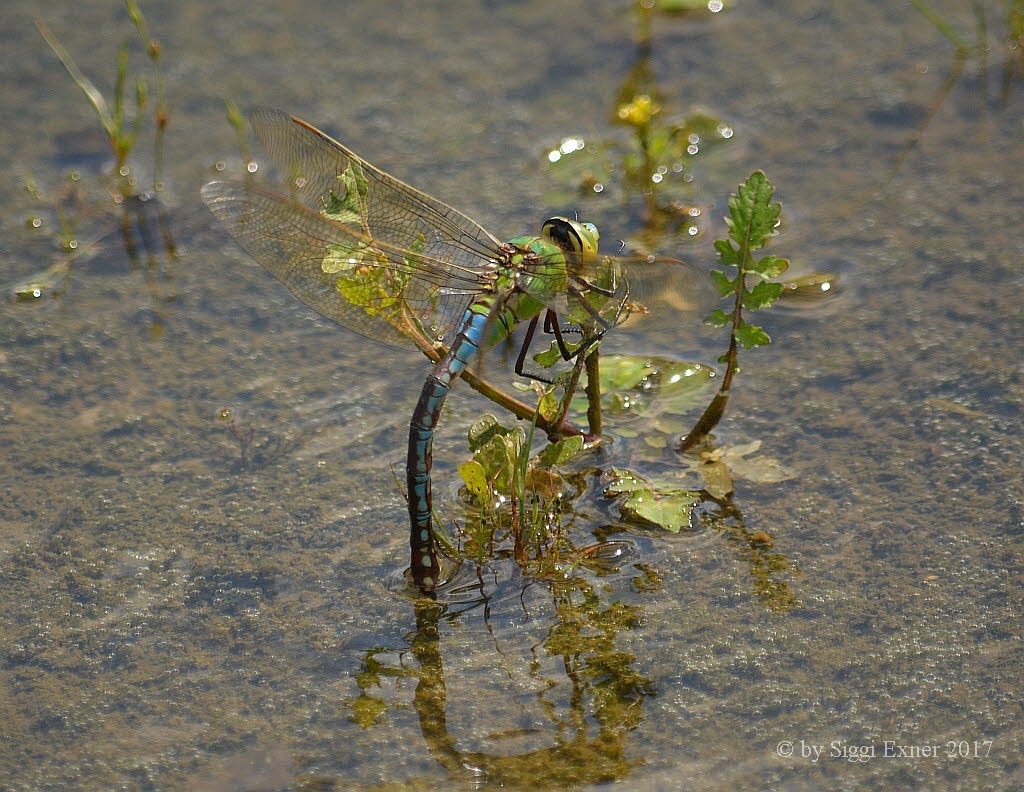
x=121 y=127
x=137 y=214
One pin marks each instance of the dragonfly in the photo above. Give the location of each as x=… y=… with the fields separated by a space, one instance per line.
x=381 y=258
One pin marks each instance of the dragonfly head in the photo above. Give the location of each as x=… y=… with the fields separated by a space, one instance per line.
x=572 y=236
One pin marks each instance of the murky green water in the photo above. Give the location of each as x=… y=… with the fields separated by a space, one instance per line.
x=172 y=620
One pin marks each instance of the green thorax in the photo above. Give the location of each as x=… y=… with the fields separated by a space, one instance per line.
x=537 y=268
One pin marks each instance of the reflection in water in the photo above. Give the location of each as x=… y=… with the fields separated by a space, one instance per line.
x=755 y=548
x=588 y=708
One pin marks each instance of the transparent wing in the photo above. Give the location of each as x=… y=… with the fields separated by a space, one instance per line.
x=647 y=294
x=319 y=171
x=373 y=288
x=355 y=244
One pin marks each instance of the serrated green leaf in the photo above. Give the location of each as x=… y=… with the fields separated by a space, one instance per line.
x=752 y=215
x=718 y=318
x=762 y=295
x=751 y=336
x=727 y=253
x=725 y=284
x=769 y=266
x=560 y=452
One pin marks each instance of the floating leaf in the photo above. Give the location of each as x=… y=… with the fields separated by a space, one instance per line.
x=670 y=511
x=623 y=481
x=813 y=287
x=667 y=507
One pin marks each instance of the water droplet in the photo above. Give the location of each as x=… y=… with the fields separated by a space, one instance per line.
x=219 y=165
x=252 y=167
x=598 y=187
x=554 y=155
x=714 y=6
x=656 y=178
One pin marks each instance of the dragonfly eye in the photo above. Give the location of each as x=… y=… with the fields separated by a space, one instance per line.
x=572 y=236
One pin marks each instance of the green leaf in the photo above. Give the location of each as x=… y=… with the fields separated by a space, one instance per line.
x=623 y=481
x=562 y=451
x=347 y=206
x=670 y=511
x=769 y=266
x=549 y=356
x=727 y=253
x=752 y=215
x=718 y=318
x=725 y=284
x=762 y=295
x=475 y=479
x=481 y=431
x=751 y=336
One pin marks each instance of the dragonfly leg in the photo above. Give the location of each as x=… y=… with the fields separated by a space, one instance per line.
x=524 y=348
x=585 y=304
x=591 y=287
x=552 y=327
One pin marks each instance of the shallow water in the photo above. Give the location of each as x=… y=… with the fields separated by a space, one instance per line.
x=173 y=619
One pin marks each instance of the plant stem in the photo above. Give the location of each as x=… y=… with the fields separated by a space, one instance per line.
x=941 y=25
x=594 y=421
x=554 y=428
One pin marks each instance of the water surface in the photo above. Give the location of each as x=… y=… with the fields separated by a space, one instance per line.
x=174 y=620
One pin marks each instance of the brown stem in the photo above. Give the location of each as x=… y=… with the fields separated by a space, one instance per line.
x=714 y=412
x=594 y=421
